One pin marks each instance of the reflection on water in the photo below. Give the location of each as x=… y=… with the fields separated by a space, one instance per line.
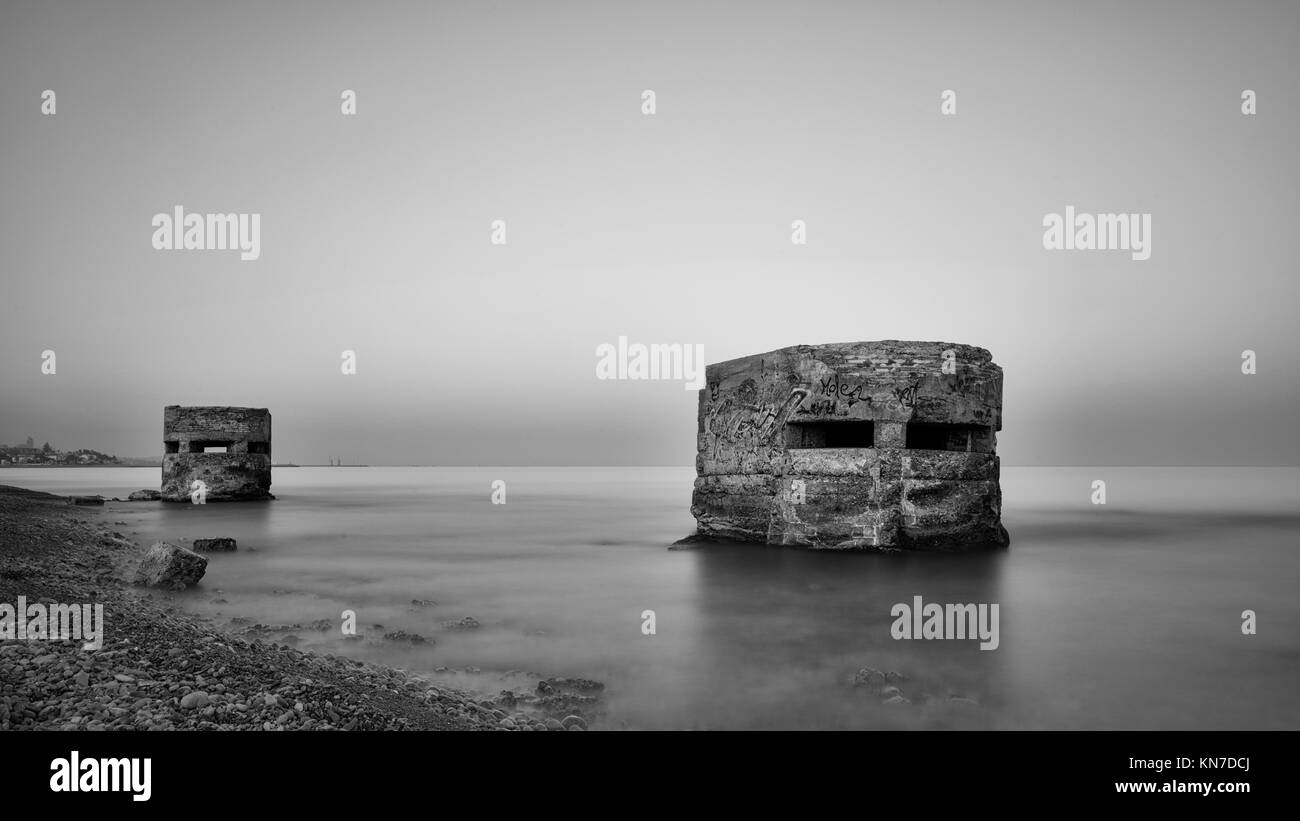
x=1118 y=616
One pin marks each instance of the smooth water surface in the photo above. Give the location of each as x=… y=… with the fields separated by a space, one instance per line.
x=1124 y=615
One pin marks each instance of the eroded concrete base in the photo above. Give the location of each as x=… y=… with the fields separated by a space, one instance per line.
x=859 y=498
x=227 y=477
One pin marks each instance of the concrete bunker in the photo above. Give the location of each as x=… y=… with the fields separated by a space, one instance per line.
x=226 y=448
x=860 y=445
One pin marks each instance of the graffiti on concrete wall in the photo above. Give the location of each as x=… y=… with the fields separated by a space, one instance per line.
x=743 y=421
x=836 y=389
x=906 y=395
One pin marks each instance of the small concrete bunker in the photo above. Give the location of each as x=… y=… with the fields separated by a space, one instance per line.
x=866 y=445
x=228 y=449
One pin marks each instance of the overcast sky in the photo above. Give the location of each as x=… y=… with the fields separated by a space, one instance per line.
x=671 y=228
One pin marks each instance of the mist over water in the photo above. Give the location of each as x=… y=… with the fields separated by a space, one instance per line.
x=1122 y=616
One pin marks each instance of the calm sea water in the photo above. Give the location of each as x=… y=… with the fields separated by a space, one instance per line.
x=1126 y=615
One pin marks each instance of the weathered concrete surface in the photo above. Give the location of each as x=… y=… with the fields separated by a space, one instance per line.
x=809 y=445
x=242 y=472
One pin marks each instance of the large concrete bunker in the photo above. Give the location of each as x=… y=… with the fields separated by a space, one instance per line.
x=227 y=449
x=886 y=445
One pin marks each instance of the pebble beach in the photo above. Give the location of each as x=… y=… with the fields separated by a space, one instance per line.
x=162 y=669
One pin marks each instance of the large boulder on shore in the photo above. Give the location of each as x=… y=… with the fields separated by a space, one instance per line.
x=145 y=496
x=172 y=567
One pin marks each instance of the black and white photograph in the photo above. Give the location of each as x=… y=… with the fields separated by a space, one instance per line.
x=905 y=374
